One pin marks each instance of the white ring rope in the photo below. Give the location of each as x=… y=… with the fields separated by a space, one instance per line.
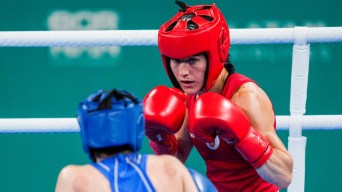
x=62 y=125
x=149 y=37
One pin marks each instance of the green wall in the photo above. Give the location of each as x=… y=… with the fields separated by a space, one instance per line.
x=49 y=82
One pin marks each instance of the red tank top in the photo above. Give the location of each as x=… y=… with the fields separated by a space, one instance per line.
x=226 y=168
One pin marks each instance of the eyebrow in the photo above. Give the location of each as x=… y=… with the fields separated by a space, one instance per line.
x=187 y=57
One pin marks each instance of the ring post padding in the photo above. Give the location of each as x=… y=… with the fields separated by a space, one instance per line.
x=299 y=79
x=297 y=147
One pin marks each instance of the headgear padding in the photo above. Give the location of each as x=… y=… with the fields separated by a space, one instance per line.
x=111 y=118
x=194 y=30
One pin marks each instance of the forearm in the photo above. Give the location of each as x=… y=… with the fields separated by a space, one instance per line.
x=277 y=169
x=184 y=149
x=185 y=144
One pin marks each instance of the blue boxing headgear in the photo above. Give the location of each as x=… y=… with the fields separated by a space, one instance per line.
x=111 y=118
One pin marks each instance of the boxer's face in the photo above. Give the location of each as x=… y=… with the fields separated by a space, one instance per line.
x=190 y=72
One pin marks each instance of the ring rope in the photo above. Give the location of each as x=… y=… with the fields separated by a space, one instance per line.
x=65 y=125
x=150 y=37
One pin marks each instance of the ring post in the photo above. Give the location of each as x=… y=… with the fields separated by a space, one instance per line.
x=299 y=84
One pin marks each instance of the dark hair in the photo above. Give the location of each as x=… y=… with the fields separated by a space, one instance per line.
x=229 y=66
x=93 y=152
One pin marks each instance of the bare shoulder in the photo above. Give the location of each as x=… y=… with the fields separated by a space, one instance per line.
x=66 y=178
x=249 y=90
x=78 y=178
x=68 y=173
x=257 y=106
x=250 y=95
x=168 y=163
x=166 y=173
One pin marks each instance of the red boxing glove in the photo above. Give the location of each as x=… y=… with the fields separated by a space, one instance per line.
x=164 y=111
x=212 y=115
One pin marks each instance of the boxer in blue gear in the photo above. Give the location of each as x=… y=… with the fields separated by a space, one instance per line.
x=112 y=131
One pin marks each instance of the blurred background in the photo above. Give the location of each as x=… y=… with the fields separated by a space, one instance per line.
x=50 y=81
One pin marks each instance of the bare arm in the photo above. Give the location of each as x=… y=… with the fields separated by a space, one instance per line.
x=184 y=141
x=258 y=108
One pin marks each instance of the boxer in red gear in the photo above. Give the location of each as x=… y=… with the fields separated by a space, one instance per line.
x=194 y=47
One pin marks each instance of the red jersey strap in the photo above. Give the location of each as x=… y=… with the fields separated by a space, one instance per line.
x=233 y=82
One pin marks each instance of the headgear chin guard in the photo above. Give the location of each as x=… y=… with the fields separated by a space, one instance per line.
x=194 y=30
x=111 y=118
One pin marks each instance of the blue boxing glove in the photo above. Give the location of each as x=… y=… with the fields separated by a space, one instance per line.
x=203 y=183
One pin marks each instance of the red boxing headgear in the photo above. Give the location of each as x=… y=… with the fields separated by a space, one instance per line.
x=193 y=30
